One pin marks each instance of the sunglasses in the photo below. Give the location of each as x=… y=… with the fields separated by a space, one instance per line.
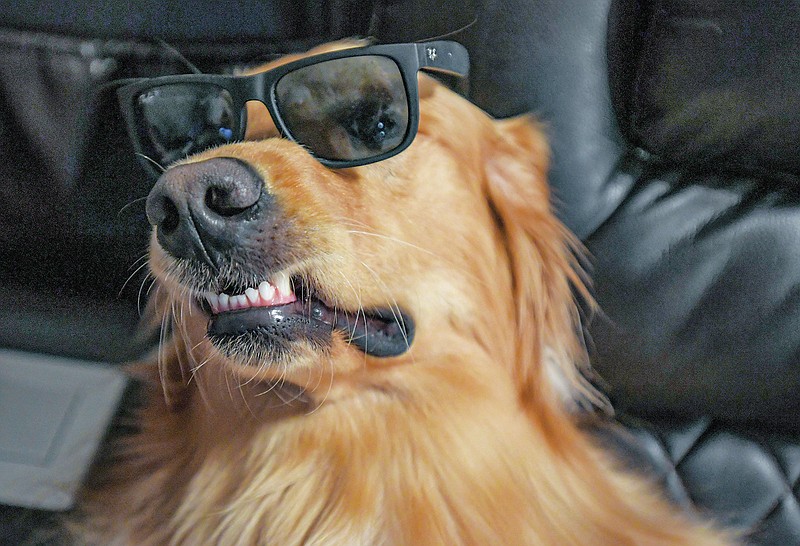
x=348 y=108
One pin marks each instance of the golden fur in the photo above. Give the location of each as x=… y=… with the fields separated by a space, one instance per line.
x=465 y=439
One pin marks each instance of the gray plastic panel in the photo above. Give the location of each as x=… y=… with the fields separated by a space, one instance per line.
x=54 y=412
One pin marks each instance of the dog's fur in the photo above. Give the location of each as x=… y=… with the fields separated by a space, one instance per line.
x=465 y=439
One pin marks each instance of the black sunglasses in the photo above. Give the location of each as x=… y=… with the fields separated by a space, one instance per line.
x=348 y=107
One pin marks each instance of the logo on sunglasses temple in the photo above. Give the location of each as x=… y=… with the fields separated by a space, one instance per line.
x=432 y=53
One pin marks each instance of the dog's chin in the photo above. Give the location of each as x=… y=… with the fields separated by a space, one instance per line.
x=254 y=354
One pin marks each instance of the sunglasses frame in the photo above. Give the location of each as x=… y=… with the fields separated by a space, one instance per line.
x=441 y=56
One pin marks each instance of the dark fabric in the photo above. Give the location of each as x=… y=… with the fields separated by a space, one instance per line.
x=48 y=319
x=421 y=20
x=717 y=84
x=71 y=226
x=26 y=527
x=210 y=21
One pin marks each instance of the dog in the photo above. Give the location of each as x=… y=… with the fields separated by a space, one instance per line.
x=380 y=354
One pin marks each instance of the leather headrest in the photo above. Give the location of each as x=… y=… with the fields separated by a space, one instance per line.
x=714 y=83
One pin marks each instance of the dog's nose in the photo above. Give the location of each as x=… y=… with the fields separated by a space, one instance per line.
x=201 y=210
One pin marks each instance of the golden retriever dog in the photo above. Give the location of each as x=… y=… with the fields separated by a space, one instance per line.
x=385 y=354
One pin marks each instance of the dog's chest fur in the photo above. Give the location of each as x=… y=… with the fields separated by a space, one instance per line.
x=355 y=471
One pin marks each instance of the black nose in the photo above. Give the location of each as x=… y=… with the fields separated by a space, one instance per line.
x=202 y=210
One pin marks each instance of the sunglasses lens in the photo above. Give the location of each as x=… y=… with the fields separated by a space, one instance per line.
x=176 y=120
x=345 y=109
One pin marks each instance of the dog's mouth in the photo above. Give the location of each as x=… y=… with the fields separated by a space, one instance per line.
x=264 y=321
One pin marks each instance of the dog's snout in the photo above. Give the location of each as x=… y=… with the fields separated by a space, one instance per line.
x=200 y=210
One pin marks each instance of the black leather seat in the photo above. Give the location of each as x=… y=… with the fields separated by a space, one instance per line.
x=675 y=127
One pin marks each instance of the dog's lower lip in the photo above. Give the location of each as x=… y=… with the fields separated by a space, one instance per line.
x=380 y=332
x=242 y=320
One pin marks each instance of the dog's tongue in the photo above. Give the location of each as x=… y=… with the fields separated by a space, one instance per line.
x=380 y=333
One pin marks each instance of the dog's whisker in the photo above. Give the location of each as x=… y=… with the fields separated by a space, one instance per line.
x=196 y=345
x=243 y=396
x=393 y=240
x=130 y=204
x=394 y=307
x=353 y=223
x=142 y=293
x=162 y=364
x=367 y=230
x=262 y=367
x=291 y=400
x=228 y=384
x=279 y=394
x=201 y=385
x=149 y=288
x=132 y=275
x=360 y=309
x=149 y=159
x=319 y=379
x=254 y=378
x=176 y=328
x=143 y=257
x=185 y=338
x=272 y=385
x=196 y=368
x=472 y=276
x=276 y=388
x=330 y=365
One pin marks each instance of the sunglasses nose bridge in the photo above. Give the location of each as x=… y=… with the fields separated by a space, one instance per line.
x=259 y=122
x=258 y=87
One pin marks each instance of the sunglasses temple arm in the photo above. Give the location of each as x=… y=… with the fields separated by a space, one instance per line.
x=444 y=56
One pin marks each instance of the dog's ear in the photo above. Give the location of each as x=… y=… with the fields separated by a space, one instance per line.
x=546 y=274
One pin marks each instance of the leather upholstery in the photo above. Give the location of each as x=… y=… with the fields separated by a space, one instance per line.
x=697 y=276
x=744 y=478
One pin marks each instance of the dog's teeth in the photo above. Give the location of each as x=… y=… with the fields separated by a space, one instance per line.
x=213 y=302
x=266 y=291
x=282 y=284
x=278 y=291
x=252 y=295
